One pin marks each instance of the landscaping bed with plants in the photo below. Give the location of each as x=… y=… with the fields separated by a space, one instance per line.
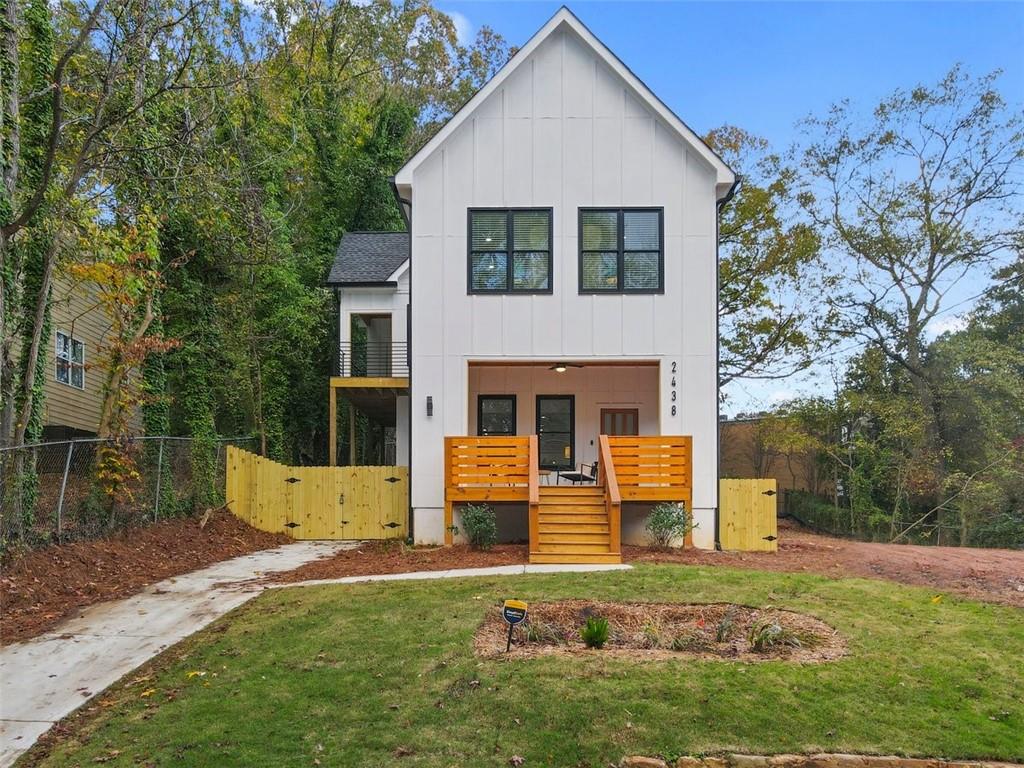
x=39 y=589
x=387 y=674
x=663 y=631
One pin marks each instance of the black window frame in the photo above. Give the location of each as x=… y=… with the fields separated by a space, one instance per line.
x=480 y=414
x=572 y=430
x=620 y=243
x=510 y=251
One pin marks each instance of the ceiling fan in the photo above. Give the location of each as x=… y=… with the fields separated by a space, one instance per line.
x=560 y=367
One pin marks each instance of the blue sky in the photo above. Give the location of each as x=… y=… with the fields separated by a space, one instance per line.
x=764 y=66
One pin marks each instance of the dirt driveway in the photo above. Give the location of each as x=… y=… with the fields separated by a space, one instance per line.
x=995 y=575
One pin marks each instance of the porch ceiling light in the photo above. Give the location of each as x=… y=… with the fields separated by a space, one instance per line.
x=561 y=367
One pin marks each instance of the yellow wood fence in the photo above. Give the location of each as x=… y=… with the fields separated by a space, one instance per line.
x=747 y=515
x=318 y=502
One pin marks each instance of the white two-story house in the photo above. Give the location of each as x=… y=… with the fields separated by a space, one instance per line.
x=552 y=307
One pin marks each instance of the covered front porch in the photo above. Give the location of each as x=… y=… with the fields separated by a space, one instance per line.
x=570 y=453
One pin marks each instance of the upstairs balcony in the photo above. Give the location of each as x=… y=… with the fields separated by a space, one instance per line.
x=372 y=359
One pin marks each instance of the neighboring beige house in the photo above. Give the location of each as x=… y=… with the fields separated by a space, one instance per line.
x=74 y=382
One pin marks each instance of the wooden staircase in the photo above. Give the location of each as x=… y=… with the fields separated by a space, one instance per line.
x=573 y=526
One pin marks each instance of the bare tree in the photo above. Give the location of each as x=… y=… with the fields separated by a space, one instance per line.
x=919 y=198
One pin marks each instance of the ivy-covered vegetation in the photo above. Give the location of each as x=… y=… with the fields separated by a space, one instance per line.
x=194 y=166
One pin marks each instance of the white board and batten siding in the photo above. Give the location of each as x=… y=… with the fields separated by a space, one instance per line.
x=564 y=131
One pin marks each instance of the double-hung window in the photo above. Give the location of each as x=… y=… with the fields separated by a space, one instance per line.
x=510 y=250
x=622 y=250
x=70 y=360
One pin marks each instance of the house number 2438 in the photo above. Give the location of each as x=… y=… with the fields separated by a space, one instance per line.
x=672 y=391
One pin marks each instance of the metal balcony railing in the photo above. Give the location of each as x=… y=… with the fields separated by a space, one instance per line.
x=369 y=358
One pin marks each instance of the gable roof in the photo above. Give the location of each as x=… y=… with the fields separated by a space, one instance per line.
x=564 y=18
x=369 y=258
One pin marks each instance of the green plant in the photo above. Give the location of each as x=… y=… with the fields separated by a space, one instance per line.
x=726 y=626
x=667 y=523
x=769 y=634
x=595 y=632
x=542 y=632
x=688 y=641
x=481 y=526
x=651 y=635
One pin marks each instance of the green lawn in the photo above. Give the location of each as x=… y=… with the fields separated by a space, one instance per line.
x=356 y=675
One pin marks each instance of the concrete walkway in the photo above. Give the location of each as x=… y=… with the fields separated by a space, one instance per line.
x=497 y=570
x=46 y=679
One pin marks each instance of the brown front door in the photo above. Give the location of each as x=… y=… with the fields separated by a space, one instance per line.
x=620 y=421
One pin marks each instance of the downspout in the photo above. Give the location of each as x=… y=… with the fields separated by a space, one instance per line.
x=718 y=361
x=407 y=219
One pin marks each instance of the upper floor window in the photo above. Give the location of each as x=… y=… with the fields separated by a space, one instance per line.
x=510 y=250
x=70 y=354
x=622 y=250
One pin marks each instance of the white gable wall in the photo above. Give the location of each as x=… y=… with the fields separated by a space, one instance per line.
x=562 y=131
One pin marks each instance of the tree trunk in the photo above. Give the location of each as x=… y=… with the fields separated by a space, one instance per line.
x=34 y=338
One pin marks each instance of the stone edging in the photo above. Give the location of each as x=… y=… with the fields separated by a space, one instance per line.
x=808 y=761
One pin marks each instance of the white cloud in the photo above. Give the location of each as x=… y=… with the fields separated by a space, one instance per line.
x=464 y=29
x=946 y=324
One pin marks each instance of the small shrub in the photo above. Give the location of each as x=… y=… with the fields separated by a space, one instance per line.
x=651 y=636
x=481 y=526
x=766 y=635
x=542 y=632
x=595 y=632
x=689 y=641
x=667 y=523
x=726 y=626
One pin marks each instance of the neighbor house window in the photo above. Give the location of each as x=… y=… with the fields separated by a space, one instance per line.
x=510 y=250
x=496 y=415
x=621 y=250
x=70 y=353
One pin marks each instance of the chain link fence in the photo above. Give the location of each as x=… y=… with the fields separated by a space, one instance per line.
x=51 y=492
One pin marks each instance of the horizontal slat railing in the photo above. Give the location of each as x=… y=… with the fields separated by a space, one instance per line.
x=485 y=469
x=653 y=468
x=373 y=359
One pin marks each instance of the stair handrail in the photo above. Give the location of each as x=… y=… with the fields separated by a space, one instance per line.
x=533 y=483
x=612 y=497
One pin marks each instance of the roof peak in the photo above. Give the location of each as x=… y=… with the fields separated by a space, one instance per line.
x=564 y=17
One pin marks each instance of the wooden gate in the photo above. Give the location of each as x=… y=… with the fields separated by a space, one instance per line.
x=747 y=515
x=318 y=502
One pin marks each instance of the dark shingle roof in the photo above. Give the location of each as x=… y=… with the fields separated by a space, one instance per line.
x=368 y=257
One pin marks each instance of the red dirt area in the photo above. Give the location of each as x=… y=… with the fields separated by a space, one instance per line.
x=992 y=575
x=375 y=557
x=38 y=589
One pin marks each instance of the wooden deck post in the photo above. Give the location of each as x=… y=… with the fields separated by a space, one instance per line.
x=332 y=429
x=351 y=435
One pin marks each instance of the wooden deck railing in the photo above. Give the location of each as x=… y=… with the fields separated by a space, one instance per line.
x=486 y=469
x=648 y=468
x=653 y=468
x=608 y=478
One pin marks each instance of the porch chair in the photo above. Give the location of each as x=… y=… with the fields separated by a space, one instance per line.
x=588 y=476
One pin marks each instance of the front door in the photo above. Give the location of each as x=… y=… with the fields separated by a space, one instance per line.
x=620 y=421
x=556 y=431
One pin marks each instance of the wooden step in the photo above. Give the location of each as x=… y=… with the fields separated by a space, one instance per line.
x=572 y=527
x=572 y=547
x=601 y=557
x=569 y=490
x=572 y=540
x=573 y=518
x=571 y=509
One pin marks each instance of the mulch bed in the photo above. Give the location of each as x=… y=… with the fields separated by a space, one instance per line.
x=657 y=631
x=376 y=557
x=39 y=589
